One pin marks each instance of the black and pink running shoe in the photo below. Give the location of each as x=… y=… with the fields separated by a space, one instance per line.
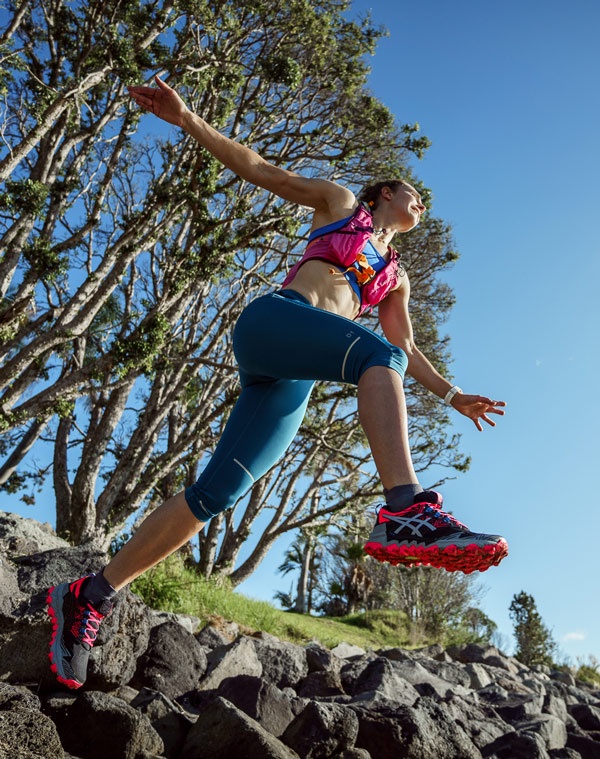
x=75 y=624
x=423 y=534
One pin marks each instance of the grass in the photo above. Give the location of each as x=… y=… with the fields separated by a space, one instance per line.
x=172 y=587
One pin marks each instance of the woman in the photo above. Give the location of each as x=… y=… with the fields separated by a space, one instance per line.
x=307 y=332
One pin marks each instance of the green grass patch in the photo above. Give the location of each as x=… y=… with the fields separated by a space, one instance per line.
x=171 y=586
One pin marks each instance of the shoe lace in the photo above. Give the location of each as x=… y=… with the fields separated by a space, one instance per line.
x=443 y=517
x=86 y=623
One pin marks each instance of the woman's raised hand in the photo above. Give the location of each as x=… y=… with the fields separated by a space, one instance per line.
x=477 y=407
x=162 y=101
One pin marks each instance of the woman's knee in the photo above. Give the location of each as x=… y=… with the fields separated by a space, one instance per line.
x=381 y=353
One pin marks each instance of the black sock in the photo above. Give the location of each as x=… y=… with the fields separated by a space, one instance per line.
x=98 y=589
x=402 y=496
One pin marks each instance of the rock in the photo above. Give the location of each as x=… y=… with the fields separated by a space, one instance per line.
x=478 y=720
x=564 y=753
x=453 y=673
x=556 y=706
x=11 y=596
x=347 y=651
x=321 y=659
x=20 y=536
x=322 y=730
x=588 y=717
x=562 y=676
x=223 y=731
x=26 y=733
x=425 y=731
x=320 y=685
x=217 y=633
x=479 y=675
x=239 y=658
x=260 y=700
x=587 y=747
x=511 y=707
x=397 y=654
x=18 y=697
x=187 y=621
x=169 y=720
x=518 y=746
x=551 y=730
x=40 y=571
x=353 y=668
x=96 y=725
x=173 y=662
x=283 y=664
x=381 y=679
x=473 y=652
x=426 y=683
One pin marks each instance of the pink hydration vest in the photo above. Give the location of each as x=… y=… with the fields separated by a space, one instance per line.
x=342 y=243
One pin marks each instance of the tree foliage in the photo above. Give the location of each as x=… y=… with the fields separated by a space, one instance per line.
x=438 y=605
x=127 y=253
x=535 y=644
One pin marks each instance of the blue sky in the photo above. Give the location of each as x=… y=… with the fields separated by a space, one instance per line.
x=507 y=93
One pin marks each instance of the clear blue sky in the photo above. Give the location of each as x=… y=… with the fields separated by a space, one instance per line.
x=508 y=94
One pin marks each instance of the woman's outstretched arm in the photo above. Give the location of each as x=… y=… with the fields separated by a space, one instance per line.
x=320 y=194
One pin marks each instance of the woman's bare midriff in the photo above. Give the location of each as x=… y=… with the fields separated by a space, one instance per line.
x=324 y=289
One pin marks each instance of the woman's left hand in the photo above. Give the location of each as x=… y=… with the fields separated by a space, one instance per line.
x=477 y=407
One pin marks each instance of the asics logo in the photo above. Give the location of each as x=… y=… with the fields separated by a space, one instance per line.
x=415 y=523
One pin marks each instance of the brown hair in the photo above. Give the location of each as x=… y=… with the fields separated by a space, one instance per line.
x=371 y=194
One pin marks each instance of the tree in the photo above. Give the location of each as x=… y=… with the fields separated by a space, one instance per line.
x=535 y=644
x=303 y=555
x=438 y=604
x=127 y=258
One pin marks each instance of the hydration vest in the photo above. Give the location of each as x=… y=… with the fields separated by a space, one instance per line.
x=342 y=243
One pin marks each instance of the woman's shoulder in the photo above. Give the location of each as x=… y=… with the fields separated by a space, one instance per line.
x=341 y=203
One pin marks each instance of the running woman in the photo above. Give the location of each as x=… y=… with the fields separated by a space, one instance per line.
x=283 y=342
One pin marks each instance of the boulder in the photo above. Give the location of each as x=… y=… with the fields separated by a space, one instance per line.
x=233 y=660
x=550 y=729
x=587 y=717
x=260 y=700
x=381 y=679
x=321 y=659
x=283 y=664
x=173 y=663
x=20 y=536
x=96 y=725
x=320 y=685
x=171 y=722
x=423 y=731
x=322 y=730
x=223 y=731
x=347 y=651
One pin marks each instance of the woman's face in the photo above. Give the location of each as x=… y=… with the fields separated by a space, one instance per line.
x=404 y=204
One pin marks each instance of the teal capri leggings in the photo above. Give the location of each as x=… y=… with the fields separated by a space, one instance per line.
x=282 y=345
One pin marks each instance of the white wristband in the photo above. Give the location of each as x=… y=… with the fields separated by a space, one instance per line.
x=451 y=393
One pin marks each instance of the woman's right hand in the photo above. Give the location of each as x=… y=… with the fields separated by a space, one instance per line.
x=162 y=101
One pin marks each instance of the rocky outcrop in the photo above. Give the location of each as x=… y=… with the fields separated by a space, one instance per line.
x=161 y=686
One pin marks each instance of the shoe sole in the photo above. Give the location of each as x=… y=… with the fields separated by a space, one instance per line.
x=467 y=559
x=54 y=600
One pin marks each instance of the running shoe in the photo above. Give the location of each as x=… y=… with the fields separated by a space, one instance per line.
x=75 y=624
x=423 y=534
